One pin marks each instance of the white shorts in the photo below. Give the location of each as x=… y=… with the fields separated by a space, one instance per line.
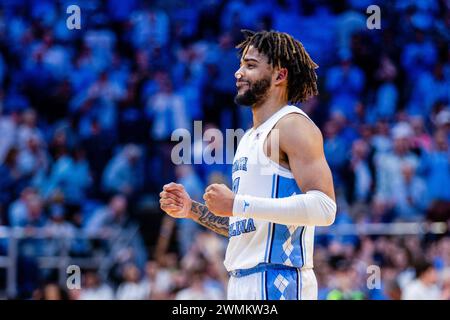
x=274 y=284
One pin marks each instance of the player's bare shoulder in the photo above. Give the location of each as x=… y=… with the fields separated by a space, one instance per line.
x=299 y=134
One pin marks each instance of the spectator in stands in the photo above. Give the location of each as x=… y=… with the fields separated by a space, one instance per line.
x=167 y=111
x=123 y=172
x=409 y=199
x=114 y=216
x=387 y=93
x=150 y=27
x=10 y=179
x=223 y=86
x=359 y=176
x=419 y=55
x=33 y=157
x=70 y=175
x=425 y=285
x=335 y=148
x=18 y=210
x=429 y=88
x=98 y=145
x=388 y=165
x=29 y=129
x=50 y=291
x=421 y=139
x=381 y=140
x=346 y=286
x=159 y=279
x=132 y=287
x=8 y=129
x=197 y=289
x=345 y=84
x=442 y=119
x=36 y=216
x=61 y=231
x=114 y=220
x=93 y=288
x=434 y=165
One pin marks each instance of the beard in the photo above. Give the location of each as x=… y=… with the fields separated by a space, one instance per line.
x=256 y=92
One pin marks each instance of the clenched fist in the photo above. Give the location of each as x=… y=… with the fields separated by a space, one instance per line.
x=175 y=201
x=219 y=200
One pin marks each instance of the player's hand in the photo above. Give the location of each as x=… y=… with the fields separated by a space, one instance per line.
x=175 y=201
x=219 y=200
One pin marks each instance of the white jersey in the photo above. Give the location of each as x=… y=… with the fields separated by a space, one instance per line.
x=252 y=242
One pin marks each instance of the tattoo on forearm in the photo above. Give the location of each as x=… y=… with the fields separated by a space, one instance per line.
x=207 y=219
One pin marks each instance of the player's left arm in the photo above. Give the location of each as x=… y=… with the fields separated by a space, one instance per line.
x=302 y=143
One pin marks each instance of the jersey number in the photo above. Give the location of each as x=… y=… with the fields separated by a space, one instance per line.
x=236 y=185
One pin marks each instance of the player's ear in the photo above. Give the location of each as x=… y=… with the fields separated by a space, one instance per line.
x=281 y=75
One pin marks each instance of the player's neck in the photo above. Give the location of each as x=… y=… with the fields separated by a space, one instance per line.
x=262 y=112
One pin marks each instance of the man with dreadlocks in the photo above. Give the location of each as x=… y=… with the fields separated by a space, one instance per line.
x=282 y=184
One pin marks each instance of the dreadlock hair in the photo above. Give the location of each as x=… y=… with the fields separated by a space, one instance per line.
x=284 y=51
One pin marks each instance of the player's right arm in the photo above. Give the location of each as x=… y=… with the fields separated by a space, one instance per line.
x=175 y=201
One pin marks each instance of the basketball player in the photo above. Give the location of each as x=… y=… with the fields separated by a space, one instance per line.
x=278 y=197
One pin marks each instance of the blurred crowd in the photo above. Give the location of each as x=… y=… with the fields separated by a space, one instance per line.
x=86 y=118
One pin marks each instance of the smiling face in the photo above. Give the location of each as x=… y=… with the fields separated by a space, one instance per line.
x=254 y=78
